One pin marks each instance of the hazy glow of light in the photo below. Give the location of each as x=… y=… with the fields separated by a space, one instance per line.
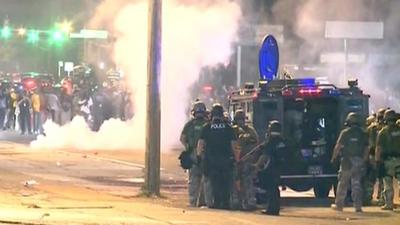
x=6 y=32
x=33 y=36
x=21 y=31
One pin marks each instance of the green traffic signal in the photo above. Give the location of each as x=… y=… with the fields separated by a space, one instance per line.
x=33 y=36
x=6 y=32
x=57 y=37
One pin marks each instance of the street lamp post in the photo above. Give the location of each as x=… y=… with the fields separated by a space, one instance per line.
x=152 y=156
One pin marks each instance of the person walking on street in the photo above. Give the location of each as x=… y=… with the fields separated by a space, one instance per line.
x=24 y=106
x=11 y=121
x=216 y=147
x=352 y=145
x=189 y=138
x=3 y=108
x=66 y=108
x=269 y=165
x=387 y=156
x=37 y=115
x=53 y=106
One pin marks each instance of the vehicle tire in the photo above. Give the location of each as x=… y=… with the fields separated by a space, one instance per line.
x=321 y=190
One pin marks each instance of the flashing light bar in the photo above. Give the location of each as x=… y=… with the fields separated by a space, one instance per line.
x=310 y=91
x=302 y=92
x=307 y=82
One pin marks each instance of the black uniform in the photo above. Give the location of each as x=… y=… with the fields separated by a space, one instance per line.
x=218 y=160
x=269 y=176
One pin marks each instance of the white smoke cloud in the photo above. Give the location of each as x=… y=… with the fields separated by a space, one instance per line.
x=194 y=35
x=304 y=23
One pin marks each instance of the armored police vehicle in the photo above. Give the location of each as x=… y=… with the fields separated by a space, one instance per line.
x=311 y=112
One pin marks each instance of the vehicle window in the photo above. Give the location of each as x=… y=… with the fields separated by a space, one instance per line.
x=354 y=104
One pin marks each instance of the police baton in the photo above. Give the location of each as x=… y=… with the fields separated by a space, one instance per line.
x=249 y=154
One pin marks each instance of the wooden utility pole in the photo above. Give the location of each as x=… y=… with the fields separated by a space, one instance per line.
x=153 y=131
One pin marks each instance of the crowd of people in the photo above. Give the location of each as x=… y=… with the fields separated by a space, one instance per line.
x=26 y=110
x=226 y=160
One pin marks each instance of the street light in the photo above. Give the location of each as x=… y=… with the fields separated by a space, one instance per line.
x=21 y=31
x=66 y=27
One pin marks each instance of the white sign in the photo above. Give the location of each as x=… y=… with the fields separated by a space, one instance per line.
x=90 y=34
x=60 y=63
x=69 y=66
x=354 y=30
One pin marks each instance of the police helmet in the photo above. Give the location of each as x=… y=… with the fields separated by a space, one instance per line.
x=217 y=110
x=353 y=119
x=390 y=115
x=397 y=116
x=381 y=113
x=370 y=120
x=199 y=106
x=240 y=115
x=185 y=160
x=274 y=127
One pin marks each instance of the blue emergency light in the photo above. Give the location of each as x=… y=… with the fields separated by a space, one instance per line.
x=307 y=82
x=268 y=59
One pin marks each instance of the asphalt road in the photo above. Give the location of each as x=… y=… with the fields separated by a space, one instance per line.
x=103 y=187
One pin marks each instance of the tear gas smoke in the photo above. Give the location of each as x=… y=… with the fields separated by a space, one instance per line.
x=304 y=28
x=194 y=35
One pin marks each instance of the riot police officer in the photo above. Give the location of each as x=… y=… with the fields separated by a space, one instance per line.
x=268 y=165
x=189 y=138
x=216 y=147
x=387 y=156
x=370 y=120
x=247 y=138
x=352 y=145
x=372 y=173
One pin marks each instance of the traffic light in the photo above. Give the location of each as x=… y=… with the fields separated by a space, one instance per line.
x=60 y=33
x=33 y=36
x=56 y=37
x=6 y=32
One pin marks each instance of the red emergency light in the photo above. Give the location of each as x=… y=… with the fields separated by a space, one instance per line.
x=310 y=91
x=207 y=88
x=287 y=93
